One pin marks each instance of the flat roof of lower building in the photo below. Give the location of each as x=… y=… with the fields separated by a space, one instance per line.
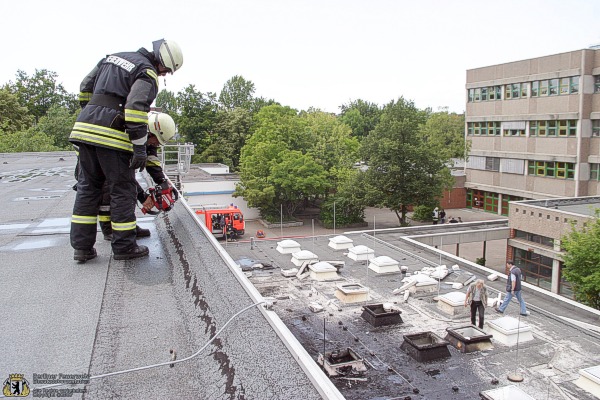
x=585 y=206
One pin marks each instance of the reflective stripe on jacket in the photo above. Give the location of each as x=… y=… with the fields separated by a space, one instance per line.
x=132 y=80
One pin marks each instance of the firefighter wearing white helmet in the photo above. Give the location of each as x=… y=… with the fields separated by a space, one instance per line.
x=168 y=54
x=161 y=125
x=111 y=131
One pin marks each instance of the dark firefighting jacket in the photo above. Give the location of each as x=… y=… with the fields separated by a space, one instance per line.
x=154 y=168
x=116 y=96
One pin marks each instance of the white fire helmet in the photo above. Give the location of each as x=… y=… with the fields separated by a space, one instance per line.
x=168 y=53
x=161 y=125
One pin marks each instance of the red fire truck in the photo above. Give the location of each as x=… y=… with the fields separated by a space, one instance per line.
x=223 y=220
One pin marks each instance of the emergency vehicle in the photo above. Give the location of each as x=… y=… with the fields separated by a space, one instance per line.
x=223 y=220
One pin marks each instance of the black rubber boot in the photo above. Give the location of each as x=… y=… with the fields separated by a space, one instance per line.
x=84 y=255
x=136 y=251
x=106 y=229
x=141 y=232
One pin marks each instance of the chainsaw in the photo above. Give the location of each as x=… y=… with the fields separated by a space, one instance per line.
x=163 y=198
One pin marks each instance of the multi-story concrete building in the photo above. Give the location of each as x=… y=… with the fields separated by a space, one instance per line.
x=534 y=128
x=536 y=231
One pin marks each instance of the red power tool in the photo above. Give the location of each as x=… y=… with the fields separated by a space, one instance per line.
x=163 y=197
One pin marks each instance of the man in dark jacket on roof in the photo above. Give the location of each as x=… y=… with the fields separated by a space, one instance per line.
x=111 y=132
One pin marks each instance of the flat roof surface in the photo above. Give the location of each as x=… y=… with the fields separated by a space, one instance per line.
x=107 y=316
x=550 y=362
x=586 y=206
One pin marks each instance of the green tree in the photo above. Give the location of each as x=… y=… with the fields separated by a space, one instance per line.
x=41 y=91
x=260 y=102
x=197 y=113
x=296 y=177
x=13 y=116
x=348 y=201
x=167 y=101
x=237 y=92
x=446 y=132
x=57 y=124
x=231 y=129
x=332 y=143
x=361 y=116
x=278 y=131
x=402 y=169
x=582 y=261
x=30 y=140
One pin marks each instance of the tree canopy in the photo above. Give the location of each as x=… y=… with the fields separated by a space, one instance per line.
x=582 y=261
x=237 y=93
x=41 y=91
x=284 y=157
x=403 y=169
x=361 y=116
x=13 y=116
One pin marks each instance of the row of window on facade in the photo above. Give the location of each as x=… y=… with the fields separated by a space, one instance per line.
x=548 y=169
x=542 y=88
x=552 y=128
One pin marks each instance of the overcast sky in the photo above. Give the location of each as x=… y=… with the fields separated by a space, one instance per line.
x=303 y=53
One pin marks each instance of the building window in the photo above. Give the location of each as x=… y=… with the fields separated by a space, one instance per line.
x=564 y=287
x=485 y=94
x=536 y=268
x=594 y=172
x=596 y=127
x=553 y=128
x=574 y=84
x=514 y=132
x=551 y=169
x=553 y=87
x=537 y=239
x=597 y=83
x=491 y=128
x=496 y=92
x=565 y=86
x=494 y=128
x=544 y=88
x=492 y=164
x=515 y=91
x=535 y=88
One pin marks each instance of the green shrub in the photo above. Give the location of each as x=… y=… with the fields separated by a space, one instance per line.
x=422 y=213
x=346 y=212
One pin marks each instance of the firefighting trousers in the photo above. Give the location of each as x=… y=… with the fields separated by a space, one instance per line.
x=97 y=166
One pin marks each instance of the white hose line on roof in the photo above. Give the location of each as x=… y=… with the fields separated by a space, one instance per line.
x=172 y=362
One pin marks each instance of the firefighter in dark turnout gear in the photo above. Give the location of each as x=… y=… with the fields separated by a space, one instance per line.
x=161 y=128
x=111 y=133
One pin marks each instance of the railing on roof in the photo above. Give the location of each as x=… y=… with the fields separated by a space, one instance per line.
x=176 y=160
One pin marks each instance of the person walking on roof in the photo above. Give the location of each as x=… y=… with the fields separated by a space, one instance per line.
x=477 y=298
x=513 y=288
x=111 y=133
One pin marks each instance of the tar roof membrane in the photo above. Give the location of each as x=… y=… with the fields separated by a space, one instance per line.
x=550 y=363
x=105 y=316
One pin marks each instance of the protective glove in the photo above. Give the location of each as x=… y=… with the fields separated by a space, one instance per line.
x=139 y=157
